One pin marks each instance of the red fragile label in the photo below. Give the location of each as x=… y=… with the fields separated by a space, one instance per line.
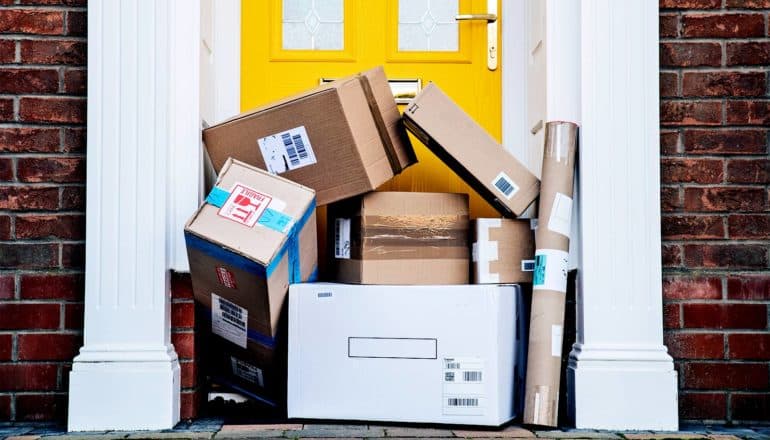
x=226 y=278
x=244 y=205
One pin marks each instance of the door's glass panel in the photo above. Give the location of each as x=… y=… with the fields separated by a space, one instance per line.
x=427 y=25
x=313 y=25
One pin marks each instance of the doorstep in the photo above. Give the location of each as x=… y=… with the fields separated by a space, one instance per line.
x=214 y=428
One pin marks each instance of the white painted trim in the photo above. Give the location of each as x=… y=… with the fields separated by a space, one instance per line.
x=514 y=80
x=620 y=375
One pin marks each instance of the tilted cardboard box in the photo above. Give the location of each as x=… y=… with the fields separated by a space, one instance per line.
x=399 y=238
x=471 y=152
x=503 y=251
x=342 y=139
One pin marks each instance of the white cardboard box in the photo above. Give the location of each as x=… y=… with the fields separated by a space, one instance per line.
x=432 y=354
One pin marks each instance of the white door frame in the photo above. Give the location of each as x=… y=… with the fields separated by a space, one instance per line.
x=160 y=59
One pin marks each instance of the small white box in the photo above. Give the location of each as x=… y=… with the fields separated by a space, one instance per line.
x=431 y=354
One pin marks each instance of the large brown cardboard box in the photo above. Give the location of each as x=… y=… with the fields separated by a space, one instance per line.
x=399 y=238
x=342 y=139
x=253 y=236
x=471 y=152
x=503 y=251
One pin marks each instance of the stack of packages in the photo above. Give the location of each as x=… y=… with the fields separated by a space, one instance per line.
x=398 y=334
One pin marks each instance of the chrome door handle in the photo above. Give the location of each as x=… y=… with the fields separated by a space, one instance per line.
x=490 y=18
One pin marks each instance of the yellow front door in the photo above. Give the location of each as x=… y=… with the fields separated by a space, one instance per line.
x=289 y=45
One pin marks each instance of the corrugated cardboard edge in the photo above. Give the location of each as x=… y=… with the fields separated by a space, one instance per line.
x=228 y=163
x=374 y=109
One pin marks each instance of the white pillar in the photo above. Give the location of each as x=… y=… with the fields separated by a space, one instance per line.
x=142 y=58
x=620 y=375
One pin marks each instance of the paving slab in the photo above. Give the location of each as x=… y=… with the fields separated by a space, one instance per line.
x=401 y=432
x=181 y=435
x=577 y=433
x=678 y=435
x=260 y=433
x=336 y=431
x=262 y=427
x=723 y=437
x=23 y=437
x=101 y=435
x=508 y=432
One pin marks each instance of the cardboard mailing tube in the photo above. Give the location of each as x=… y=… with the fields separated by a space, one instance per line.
x=549 y=282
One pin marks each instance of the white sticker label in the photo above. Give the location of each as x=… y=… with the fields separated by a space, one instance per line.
x=228 y=320
x=247 y=371
x=342 y=238
x=533 y=224
x=463 y=386
x=556 y=337
x=505 y=185
x=527 y=265
x=287 y=150
x=551 y=268
x=244 y=205
x=561 y=212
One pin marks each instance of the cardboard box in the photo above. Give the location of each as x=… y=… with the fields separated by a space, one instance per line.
x=253 y=236
x=342 y=139
x=503 y=251
x=549 y=284
x=399 y=238
x=471 y=152
x=428 y=354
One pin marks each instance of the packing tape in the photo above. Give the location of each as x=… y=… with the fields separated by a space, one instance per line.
x=382 y=129
x=485 y=250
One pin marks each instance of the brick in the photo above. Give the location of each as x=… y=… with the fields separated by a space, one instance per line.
x=23 y=140
x=748 y=4
x=184 y=343
x=690 y=4
x=28 y=377
x=751 y=53
x=73 y=256
x=16 y=198
x=695 y=345
x=75 y=82
x=6 y=109
x=722 y=316
x=6 y=170
x=691 y=170
x=7 y=51
x=748 y=112
x=188 y=374
x=48 y=346
x=754 y=407
x=681 y=54
x=6 y=347
x=724 y=199
x=5 y=227
x=55 y=2
x=690 y=113
x=7 y=287
x=68 y=52
x=61 y=170
x=745 y=256
x=678 y=227
x=685 y=287
x=62 y=286
x=719 y=375
x=739 y=25
x=749 y=226
x=671 y=316
x=672 y=255
x=723 y=83
x=670 y=199
x=748 y=171
x=73 y=316
x=41 y=407
x=749 y=345
x=190 y=402
x=31 y=21
x=183 y=315
x=668 y=26
x=73 y=197
x=749 y=287
x=29 y=316
x=5 y=407
x=53 y=110
x=77 y=23
x=27 y=256
x=72 y=227
x=710 y=406
x=20 y=81
x=181 y=286
x=74 y=140
x=669 y=84
x=669 y=142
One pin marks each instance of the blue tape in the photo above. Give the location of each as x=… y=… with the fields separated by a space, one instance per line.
x=274 y=220
x=217 y=197
x=226 y=256
x=291 y=245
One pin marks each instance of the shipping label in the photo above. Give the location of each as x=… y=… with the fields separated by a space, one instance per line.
x=527 y=265
x=464 y=384
x=246 y=371
x=228 y=320
x=244 y=205
x=342 y=238
x=561 y=213
x=287 y=150
x=226 y=278
x=505 y=185
x=557 y=333
x=551 y=268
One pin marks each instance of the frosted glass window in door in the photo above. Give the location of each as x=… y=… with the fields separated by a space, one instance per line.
x=427 y=25
x=313 y=25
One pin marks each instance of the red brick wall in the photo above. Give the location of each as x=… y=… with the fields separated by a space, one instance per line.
x=715 y=171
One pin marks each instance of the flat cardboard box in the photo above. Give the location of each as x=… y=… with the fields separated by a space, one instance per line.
x=399 y=238
x=471 y=152
x=342 y=139
x=424 y=354
x=503 y=251
x=253 y=236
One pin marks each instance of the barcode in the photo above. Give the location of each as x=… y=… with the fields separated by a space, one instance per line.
x=337 y=241
x=472 y=376
x=504 y=186
x=300 y=146
x=231 y=313
x=287 y=142
x=449 y=376
x=527 y=265
x=452 y=365
x=460 y=401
